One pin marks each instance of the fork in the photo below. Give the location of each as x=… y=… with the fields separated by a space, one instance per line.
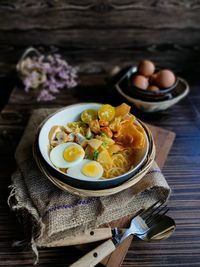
x=140 y=225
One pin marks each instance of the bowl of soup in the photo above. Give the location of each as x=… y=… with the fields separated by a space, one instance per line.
x=93 y=145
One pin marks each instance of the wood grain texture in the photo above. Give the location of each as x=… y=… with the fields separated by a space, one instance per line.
x=95 y=30
x=117 y=257
x=88 y=14
x=181 y=171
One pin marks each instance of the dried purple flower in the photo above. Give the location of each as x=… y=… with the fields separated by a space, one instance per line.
x=44 y=95
x=49 y=73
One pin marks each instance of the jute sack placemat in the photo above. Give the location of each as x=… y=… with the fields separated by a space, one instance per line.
x=49 y=214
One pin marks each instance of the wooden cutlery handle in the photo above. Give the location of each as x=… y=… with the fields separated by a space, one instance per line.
x=93 y=235
x=88 y=236
x=96 y=255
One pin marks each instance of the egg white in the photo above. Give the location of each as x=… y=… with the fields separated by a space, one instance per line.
x=76 y=172
x=56 y=155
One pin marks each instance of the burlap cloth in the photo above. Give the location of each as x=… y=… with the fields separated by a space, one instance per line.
x=49 y=214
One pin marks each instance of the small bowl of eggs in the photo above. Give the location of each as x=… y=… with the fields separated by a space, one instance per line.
x=151 y=89
x=150 y=83
x=86 y=145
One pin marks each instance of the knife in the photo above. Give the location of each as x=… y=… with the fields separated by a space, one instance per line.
x=96 y=255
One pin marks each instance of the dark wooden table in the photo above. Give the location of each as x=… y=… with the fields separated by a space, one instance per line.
x=182 y=171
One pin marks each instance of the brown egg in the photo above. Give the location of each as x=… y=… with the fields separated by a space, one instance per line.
x=165 y=78
x=153 y=88
x=146 y=68
x=140 y=82
x=152 y=78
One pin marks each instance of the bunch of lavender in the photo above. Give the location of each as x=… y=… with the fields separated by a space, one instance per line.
x=49 y=73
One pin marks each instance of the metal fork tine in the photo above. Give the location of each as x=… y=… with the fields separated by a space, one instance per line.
x=144 y=213
x=150 y=210
x=155 y=212
x=157 y=217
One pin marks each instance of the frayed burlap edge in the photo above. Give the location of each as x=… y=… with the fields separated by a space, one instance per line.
x=27 y=216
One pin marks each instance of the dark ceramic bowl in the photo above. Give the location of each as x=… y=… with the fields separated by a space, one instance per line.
x=125 y=82
x=70 y=114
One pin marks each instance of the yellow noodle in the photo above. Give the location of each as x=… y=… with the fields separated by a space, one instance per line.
x=77 y=127
x=121 y=163
x=115 y=171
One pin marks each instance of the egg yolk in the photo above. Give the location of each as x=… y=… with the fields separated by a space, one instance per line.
x=72 y=153
x=91 y=169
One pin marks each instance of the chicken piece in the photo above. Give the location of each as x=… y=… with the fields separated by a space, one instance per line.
x=54 y=143
x=54 y=130
x=107 y=131
x=81 y=140
x=62 y=137
x=103 y=123
x=67 y=129
x=71 y=137
x=94 y=126
x=115 y=125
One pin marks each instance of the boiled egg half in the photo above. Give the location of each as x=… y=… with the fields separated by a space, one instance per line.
x=67 y=155
x=86 y=170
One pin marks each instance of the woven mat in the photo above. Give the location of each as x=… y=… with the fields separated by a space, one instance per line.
x=49 y=214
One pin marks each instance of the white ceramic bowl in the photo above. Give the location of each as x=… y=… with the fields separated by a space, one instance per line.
x=146 y=106
x=71 y=114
